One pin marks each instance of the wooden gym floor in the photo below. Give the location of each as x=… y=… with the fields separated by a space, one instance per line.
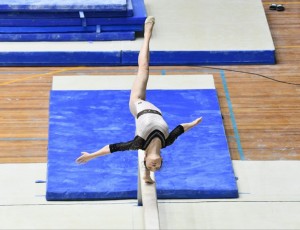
x=261 y=116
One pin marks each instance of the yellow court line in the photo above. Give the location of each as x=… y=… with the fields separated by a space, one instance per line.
x=286 y=47
x=282 y=2
x=39 y=75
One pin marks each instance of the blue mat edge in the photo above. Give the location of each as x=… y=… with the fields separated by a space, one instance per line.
x=129 y=58
x=106 y=36
x=70 y=29
x=203 y=57
x=226 y=194
x=52 y=196
x=59 y=58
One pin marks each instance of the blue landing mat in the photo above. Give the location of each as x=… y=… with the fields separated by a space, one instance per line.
x=197 y=165
x=66 y=5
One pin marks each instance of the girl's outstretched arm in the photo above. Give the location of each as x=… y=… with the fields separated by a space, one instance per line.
x=188 y=126
x=85 y=157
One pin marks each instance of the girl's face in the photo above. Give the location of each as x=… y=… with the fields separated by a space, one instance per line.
x=153 y=164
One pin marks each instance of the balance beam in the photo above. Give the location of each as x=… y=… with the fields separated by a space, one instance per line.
x=147 y=196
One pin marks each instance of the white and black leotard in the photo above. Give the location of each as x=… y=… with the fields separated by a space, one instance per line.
x=149 y=124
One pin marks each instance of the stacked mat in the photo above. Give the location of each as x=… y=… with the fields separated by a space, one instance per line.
x=71 y=20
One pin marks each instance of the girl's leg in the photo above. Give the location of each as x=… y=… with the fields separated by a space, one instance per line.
x=138 y=90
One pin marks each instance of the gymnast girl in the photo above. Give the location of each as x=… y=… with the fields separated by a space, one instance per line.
x=152 y=132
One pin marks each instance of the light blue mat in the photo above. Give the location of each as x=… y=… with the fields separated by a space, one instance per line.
x=197 y=165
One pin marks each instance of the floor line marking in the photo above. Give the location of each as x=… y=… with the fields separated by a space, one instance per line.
x=39 y=75
x=287 y=47
x=232 y=118
x=280 y=3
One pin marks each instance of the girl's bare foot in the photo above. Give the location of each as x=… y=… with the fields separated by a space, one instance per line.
x=149 y=24
x=148 y=180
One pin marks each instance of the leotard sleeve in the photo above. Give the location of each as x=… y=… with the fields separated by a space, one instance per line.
x=135 y=144
x=174 y=134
